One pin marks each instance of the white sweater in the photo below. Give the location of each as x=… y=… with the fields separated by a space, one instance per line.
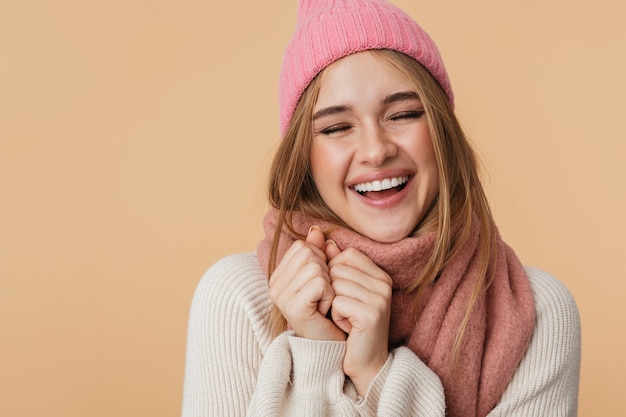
x=235 y=368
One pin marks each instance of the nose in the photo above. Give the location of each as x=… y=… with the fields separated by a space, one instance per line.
x=375 y=147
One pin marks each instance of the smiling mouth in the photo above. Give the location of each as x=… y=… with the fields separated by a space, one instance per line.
x=382 y=188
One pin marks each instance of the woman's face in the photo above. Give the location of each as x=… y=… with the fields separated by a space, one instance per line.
x=372 y=157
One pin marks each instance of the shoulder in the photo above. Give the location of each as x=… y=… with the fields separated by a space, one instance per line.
x=234 y=289
x=232 y=273
x=555 y=306
x=227 y=336
x=236 y=276
x=234 y=270
x=546 y=380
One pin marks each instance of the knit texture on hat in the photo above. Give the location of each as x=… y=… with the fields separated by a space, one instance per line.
x=328 y=30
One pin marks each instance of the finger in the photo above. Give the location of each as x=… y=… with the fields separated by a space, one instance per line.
x=332 y=249
x=297 y=274
x=358 y=289
x=378 y=299
x=359 y=261
x=341 y=320
x=303 y=315
x=321 y=291
x=286 y=259
x=316 y=237
x=302 y=303
x=298 y=245
x=352 y=315
x=296 y=256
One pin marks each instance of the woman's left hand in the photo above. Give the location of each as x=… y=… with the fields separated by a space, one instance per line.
x=361 y=308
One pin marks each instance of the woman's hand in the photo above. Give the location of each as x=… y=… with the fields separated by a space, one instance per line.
x=301 y=289
x=361 y=308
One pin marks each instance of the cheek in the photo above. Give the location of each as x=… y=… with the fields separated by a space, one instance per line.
x=320 y=170
x=426 y=155
x=317 y=163
x=426 y=148
x=316 y=157
x=328 y=165
x=423 y=154
x=429 y=161
x=420 y=147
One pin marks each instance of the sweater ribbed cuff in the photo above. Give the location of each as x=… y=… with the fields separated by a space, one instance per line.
x=318 y=368
x=368 y=405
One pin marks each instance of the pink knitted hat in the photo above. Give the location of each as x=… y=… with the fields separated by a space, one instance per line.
x=328 y=30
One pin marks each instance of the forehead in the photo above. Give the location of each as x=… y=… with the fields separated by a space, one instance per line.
x=358 y=78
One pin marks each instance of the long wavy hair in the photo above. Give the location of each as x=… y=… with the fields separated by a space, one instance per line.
x=460 y=198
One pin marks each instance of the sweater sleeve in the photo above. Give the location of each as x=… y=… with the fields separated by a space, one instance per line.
x=227 y=333
x=235 y=368
x=546 y=381
x=301 y=377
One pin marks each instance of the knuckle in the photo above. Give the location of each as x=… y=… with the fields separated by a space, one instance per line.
x=298 y=244
x=306 y=253
x=384 y=286
x=382 y=289
x=387 y=279
x=373 y=315
x=319 y=282
x=337 y=302
x=276 y=297
x=315 y=269
x=379 y=305
x=337 y=284
x=290 y=312
x=386 y=291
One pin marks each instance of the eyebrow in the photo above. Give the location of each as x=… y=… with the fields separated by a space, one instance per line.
x=393 y=98
x=330 y=111
x=401 y=96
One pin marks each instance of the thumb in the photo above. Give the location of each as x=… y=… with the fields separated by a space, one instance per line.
x=315 y=237
x=331 y=249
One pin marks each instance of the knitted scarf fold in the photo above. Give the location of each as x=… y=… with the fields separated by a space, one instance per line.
x=499 y=328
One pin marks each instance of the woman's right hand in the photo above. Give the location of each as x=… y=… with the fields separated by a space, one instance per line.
x=301 y=289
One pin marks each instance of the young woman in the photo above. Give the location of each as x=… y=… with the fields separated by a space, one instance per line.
x=382 y=287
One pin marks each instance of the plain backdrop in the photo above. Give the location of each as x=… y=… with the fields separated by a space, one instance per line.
x=135 y=138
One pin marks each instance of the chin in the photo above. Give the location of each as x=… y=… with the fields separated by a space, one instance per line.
x=387 y=236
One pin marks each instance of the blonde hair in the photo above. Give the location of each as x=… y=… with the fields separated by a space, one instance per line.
x=461 y=195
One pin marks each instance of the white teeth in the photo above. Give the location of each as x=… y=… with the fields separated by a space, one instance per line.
x=385 y=184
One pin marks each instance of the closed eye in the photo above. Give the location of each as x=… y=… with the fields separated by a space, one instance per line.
x=338 y=128
x=405 y=115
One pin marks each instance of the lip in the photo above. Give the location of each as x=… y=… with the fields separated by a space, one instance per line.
x=379 y=176
x=389 y=201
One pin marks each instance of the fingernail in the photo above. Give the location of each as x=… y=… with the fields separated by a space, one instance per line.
x=314 y=228
x=331 y=242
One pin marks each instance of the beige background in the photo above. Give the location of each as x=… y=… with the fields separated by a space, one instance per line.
x=135 y=138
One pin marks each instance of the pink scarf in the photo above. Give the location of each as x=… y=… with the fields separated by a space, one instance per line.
x=499 y=327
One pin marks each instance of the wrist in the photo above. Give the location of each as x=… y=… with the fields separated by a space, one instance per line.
x=362 y=380
x=319 y=328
